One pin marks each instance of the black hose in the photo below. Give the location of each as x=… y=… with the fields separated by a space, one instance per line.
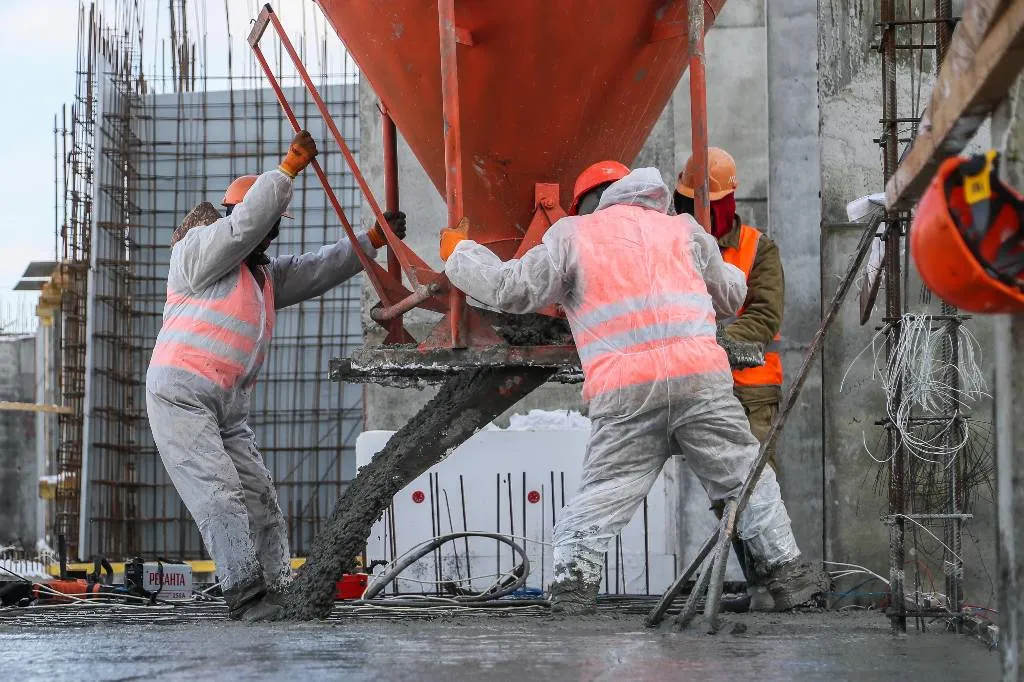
x=496 y=591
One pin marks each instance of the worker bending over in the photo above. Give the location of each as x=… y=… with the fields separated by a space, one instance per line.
x=222 y=291
x=751 y=336
x=641 y=297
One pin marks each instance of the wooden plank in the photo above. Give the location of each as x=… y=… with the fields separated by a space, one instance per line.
x=34 y=407
x=984 y=59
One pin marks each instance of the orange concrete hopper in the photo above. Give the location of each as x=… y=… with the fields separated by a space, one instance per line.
x=504 y=104
x=545 y=88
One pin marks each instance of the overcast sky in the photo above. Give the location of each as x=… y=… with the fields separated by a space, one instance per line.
x=38 y=46
x=37 y=50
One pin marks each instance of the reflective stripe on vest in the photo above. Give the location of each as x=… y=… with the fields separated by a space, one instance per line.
x=643 y=313
x=743 y=256
x=218 y=335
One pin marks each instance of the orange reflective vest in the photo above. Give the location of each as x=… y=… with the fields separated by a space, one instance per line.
x=220 y=334
x=642 y=313
x=742 y=256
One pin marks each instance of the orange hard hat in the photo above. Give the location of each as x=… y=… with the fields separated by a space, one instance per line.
x=237 y=189
x=966 y=237
x=595 y=175
x=721 y=175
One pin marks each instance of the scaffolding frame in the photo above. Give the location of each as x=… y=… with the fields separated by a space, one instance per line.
x=141 y=144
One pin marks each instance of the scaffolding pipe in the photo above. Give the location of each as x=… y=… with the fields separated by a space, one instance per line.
x=452 y=147
x=395 y=312
x=699 y=113
x=389 y=137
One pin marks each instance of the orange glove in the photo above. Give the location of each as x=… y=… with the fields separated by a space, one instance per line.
x=300 y=154
x=450 y=238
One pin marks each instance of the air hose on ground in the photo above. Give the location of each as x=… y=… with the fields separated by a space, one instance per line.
x=506 y=584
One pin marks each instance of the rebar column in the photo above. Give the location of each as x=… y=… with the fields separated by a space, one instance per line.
x=893 y=311
x=952 y=566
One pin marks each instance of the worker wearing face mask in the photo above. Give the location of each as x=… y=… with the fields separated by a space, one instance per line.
x=641 y=296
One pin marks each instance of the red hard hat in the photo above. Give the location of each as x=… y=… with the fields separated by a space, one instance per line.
x=594 y=175
x=966 y=238
x=237 y=189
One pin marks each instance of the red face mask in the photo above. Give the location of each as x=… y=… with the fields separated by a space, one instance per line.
x=723 y=215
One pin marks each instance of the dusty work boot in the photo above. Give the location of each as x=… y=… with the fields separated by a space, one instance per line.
x=571 y=595
x=267 y=609
x=250 y=601
x=794 y=583
x=577 y=599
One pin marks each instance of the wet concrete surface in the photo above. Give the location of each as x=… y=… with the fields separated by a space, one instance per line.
x=802 y=646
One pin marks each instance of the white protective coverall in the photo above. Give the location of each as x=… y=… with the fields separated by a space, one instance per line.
x=641 y=290
x=217 y=325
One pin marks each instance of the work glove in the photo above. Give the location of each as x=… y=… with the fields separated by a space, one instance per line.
x=396 y=221
x=742 y=354
x=450 y=238
x=300 y=154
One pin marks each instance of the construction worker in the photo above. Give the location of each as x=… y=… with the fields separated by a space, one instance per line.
x=755 y=328
x=641 y=297
x=750 y=337
x=222 y=293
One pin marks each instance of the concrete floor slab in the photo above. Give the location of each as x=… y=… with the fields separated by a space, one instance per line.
x=800 y=646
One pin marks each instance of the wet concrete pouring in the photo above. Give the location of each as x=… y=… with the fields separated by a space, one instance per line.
x=464 y=405
x=199 y=643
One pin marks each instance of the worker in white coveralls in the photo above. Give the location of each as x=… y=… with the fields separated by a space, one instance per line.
x=641 y=296
x=222 y=291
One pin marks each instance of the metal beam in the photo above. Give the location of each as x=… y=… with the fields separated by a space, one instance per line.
x=405 y=367
x=8 y=406
x=984 y=58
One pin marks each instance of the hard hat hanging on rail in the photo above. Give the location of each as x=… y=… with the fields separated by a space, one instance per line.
x=967 y=238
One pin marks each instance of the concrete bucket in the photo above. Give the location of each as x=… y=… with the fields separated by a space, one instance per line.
x=503 y=104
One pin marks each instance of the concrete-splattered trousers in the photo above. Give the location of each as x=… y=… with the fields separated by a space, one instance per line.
x=632 y=437
x=211 y=457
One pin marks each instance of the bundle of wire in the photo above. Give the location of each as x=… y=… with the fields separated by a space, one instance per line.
x=917 y=383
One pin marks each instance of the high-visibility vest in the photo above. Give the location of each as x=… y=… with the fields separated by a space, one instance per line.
x=221 y=333
x=742 y=256
x=641 y=312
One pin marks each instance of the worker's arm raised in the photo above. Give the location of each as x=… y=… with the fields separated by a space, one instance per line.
x=208 y=253
x=520 y=286
x=725 y=282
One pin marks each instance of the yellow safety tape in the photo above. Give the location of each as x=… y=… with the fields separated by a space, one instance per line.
x=198 y=566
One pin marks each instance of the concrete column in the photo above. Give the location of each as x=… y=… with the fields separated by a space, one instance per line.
x=1008 y=134
x=737 y=103
x=794 y=220
x=1009 y=341
x=19 y=474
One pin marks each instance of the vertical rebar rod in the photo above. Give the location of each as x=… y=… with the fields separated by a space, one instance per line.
x=893 y=309
x=952 y=527
x=699 y=113
x=452 y=147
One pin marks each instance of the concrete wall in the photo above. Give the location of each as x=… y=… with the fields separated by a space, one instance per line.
x=19 y=470
x=855 y=486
